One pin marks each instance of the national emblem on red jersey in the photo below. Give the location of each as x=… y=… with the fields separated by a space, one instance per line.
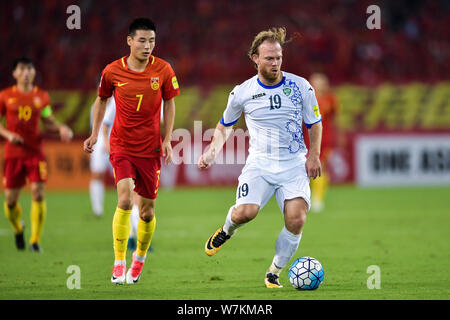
x=155 y=83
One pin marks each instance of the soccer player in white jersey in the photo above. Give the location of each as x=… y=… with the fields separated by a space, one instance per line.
x=274 y=103
x=99 y=162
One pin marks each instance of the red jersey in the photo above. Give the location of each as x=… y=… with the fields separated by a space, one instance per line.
x=138 y=96
x=23 y=113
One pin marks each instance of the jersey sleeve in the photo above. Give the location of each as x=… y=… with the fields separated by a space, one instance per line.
x=110 y=113
x=106 y=87
x=170 y=87
x=233 y=110
x=47 y=109
x=311 y=112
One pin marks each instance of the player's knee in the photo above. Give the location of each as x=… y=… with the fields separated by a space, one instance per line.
x=147 y=211
x=11 y=198
x=125 y=202
x=299 y=220
x=125 y=194
x=37 y=193
x=11 y=203
x=244 y=213
x=147 y=215
x=38 y=196
x=295 y=222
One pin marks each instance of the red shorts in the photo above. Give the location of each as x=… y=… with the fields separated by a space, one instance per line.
x=144 y=171
x=17 y=170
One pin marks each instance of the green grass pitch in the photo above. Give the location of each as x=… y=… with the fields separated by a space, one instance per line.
x=403 y=231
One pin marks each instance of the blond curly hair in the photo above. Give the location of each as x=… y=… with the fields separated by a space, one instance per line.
x=273 y=35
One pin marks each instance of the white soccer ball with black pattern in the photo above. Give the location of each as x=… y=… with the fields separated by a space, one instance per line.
x=306 y=273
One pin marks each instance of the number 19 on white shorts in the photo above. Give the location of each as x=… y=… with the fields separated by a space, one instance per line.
x=257 y=187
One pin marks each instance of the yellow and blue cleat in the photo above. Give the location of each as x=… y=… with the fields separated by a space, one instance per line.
x=272 y=281
x=216 y=241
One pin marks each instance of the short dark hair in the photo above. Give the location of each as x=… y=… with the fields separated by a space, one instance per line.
x=140 y=24
x=24 y=60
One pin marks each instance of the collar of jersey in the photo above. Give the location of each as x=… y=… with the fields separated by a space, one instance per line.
x=270 y=87
x=34 y=90
x=123 y=60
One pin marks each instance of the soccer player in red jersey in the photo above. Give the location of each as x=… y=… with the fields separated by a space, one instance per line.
x=139 y=82
x=24 y=105
x=329 y=109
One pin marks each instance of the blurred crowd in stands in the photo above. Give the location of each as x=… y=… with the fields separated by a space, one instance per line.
x=207 y=41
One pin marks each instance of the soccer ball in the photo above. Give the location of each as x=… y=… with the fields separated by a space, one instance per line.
x=306 y=273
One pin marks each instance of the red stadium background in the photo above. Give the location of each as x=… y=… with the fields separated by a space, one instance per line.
x=393 y=80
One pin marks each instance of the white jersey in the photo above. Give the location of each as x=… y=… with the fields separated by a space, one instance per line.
x=274 y=116
x=108 y=118
x=99 y=158
x=110 y=114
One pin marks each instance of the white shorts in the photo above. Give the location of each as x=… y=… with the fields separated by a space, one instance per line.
x=257 y=186
x=99 y=161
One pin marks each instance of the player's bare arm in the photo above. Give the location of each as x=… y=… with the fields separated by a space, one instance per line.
x=10 y=136
x=64 y=131
x=313 y=166
x=221 y=135
x=98 y=114
x=169 y=119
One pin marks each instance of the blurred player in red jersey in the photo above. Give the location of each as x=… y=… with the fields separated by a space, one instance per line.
x=24 y=105
x=139 y=83
x=329 y=109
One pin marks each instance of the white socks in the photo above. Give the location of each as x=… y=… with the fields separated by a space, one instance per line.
x=285 y=248
x=230 y=227
x=139 y=258
x=117 y=262
x=97 y=192
x=274 y=269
